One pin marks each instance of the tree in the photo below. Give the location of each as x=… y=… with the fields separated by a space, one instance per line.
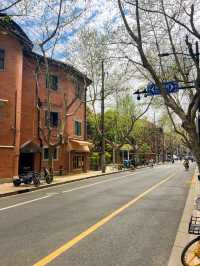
x=122 y=122
x=53 y=21
x=153 y=32
x=92 y=52
x=119 y=123
x=52 y=136
x=5 y=8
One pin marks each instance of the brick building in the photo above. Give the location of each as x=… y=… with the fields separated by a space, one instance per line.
x=23 y=108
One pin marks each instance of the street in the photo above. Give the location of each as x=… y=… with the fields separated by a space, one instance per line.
x=127 y=218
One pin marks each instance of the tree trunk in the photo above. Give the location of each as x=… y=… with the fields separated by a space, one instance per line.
x=117 y=152
x=114 y=160
x=50 y=161
x=196 y=152
x=194 y=144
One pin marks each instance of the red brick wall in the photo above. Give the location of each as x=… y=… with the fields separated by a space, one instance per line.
x=19 y=117
x=29 y=112
x=65 y=87
x=10 y=116
x=6 y=162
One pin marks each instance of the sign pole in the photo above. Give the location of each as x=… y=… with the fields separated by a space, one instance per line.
x=103 y=168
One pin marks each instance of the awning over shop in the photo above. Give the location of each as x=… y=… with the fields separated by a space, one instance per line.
x=79 y=145
x=30 y=147
x=126 y=147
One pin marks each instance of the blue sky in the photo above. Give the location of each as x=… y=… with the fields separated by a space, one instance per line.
x=96 y=13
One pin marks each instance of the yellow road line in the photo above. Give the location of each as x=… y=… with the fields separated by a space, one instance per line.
x=94 y=227
x=192 y=181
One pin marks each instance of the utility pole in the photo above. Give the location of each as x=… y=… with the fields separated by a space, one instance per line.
x=103 y=168
x=155 y=137
x=198 y=114
x=163 y=146
x=198 y=123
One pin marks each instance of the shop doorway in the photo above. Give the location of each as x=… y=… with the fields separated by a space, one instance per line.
x=78 y=162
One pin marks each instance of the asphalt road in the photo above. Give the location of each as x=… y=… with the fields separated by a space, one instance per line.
x=129 y=218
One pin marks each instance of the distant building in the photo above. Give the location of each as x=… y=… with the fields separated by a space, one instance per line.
x=21 y=144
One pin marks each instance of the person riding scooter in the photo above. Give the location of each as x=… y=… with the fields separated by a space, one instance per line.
x=151 y=163
x=186 y=164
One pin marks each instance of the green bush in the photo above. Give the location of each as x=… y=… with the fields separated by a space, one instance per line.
x=94 y=161
x=108 y=157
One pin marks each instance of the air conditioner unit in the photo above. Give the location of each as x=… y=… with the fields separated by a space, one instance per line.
x=3 y=102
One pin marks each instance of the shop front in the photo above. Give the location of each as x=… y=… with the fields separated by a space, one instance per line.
x=77 y=154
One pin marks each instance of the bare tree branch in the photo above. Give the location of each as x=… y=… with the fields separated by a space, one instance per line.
x=11 y=5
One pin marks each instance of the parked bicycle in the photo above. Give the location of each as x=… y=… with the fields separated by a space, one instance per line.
x=47 y=176
x=191 y=253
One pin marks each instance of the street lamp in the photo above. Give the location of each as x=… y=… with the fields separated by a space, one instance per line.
x=197 y=58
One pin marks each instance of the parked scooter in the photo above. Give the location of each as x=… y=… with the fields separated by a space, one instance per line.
x=27 y=178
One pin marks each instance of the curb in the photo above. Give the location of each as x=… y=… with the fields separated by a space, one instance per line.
x=25 y=190
x=182 y=236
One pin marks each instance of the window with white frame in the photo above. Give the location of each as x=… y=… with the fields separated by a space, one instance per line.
x=79 y=91
x=46 y=153
x=53 y=119
x=77 y=128
x=52 y=82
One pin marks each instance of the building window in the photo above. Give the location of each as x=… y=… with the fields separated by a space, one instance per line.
x=46 y=154
x=77 y=128
x=2 y=59
x=79 y=91
x=53 y=119
x=78 y=162
x=52 y=83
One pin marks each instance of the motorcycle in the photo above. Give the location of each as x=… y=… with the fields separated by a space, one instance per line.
x=27 y=178
x=186 y=165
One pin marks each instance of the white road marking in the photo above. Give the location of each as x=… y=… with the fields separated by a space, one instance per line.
x=73 y=189
x=23 y=203
x=100 y=182
x=56 y=193
x=47 y=188
x=52 y=193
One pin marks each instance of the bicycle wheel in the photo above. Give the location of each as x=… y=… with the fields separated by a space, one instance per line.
x=49 y=178
x=191 y=253
x=36 y=179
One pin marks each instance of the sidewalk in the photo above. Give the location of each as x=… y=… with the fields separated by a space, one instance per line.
x=182 y=237
x=8 y=189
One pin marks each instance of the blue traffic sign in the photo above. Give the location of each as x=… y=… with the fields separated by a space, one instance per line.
x=169 y=86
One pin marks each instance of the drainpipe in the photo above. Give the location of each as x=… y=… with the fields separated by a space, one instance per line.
x=85 y=115
x=14 y=126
